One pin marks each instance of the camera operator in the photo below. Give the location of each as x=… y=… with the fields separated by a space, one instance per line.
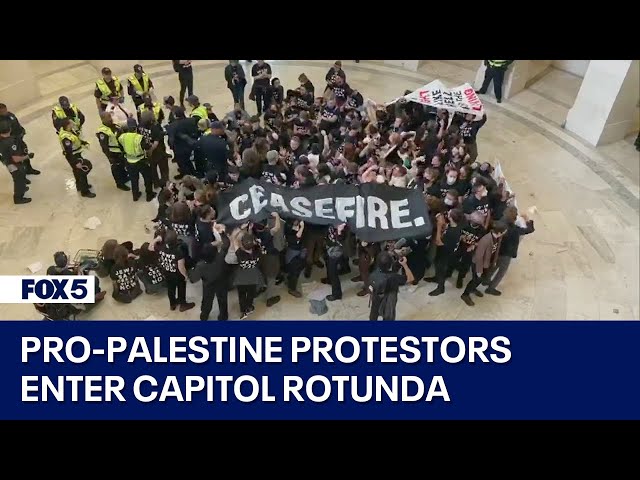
x=64 y=311
x=384 y=284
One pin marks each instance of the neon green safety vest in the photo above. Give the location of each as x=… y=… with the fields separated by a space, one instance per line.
x=75 y=140
x=497 y=63
x=106 y=91
x=114 y=146
x=199 y=111
x=144 y=88
x=60 y=113
x=156 y=110
x=132 y=146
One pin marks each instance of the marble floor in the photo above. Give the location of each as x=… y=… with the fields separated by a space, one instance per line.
x=581 y=263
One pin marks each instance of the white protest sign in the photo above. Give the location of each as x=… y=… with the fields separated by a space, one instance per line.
x=461 y=99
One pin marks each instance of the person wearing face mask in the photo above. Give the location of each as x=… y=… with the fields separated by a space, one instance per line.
x=484 y=257
x=448 y=235
x=508 y=249
x=469 y=131
x=451 y=199
x=472 y=231
x=478 y=201
x=448 y=182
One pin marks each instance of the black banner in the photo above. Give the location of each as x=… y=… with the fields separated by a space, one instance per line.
x=374 y=212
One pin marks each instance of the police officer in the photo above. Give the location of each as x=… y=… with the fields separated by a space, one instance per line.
x=107 y=87
x=18 y=132
x=135 y=148
x=197 y=111
x=183 y=133
x=108 y=137
x=149 y=105
x=65 y=109
x=72 y=147
x=13 y=159
x=139 y=84
x=158 y=158
x=495 y=71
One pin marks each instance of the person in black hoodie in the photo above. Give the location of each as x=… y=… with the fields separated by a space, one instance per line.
x=508 y=247
x=211 y=269
x=236 y=81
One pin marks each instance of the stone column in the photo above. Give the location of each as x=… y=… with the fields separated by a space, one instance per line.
x=18 y=83
x=606 y=108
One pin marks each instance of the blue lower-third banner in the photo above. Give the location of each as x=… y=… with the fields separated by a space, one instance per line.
x=320 y=370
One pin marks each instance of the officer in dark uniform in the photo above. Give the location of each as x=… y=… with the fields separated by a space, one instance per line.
x=18 y=132
x=495 y=71
x=183 y=134
x=72 y=147
x=13 y=160
x=66 y=109
x=215 y=149
x=107 y=134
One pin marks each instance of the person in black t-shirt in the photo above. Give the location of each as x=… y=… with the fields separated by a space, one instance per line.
x=149 y=270
x=211 y=269
x=276 y=92
x=341 y=91
x=384 y=284
x=261 y=73
x=478 y=201
x=355 y=100
x=469 y=131
x=329 y=115
x=472 y=231
x=333 y=73
x=172 y=259
x=448 y=234
x=270 y=117
x=302 y=126
x=126 y=286
x=185 y=77
x=158 y=158
x=236 y=81
x=306 y=83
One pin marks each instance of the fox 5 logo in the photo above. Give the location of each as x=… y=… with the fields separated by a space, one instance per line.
x=48 y=289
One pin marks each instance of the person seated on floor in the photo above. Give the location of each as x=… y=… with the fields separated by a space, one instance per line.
x=149 y=270
x=106 y=258
x=62 y=266
x=126 y=286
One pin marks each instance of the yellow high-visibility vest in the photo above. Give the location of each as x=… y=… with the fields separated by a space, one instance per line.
x=132 y=145
x=114 y=146
x=106 y=91
x=144 y=88
x=76 y=144
x=497 y=63
x=199 y=111
x=60 y=113
x=156 y=110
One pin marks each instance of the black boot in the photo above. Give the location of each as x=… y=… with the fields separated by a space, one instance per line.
x=436 y=292
x=459 y=281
